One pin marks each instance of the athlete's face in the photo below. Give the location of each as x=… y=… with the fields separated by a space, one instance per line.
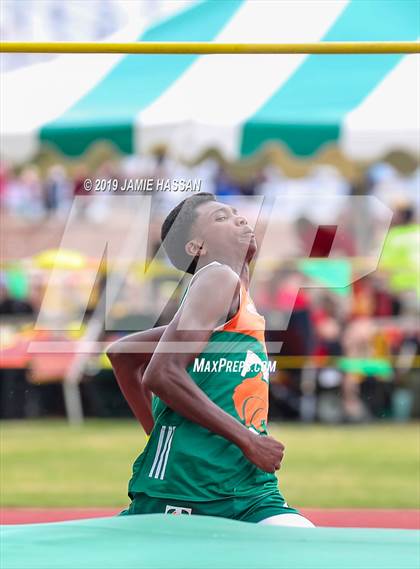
x=223 y=232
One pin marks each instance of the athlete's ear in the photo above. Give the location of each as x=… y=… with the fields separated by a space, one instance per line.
x=195 y=247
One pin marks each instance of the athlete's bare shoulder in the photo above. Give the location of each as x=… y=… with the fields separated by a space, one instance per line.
x=216 y=281
x=213 y=293
x=212 y=274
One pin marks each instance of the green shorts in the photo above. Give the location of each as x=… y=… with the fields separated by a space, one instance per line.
x=252 y=509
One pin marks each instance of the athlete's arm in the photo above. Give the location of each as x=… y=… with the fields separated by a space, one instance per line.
x=208 y=301
x=129 y=366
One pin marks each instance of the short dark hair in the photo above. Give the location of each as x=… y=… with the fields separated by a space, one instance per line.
x=179 y=222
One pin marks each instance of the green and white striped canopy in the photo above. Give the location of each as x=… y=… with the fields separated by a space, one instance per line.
x=367 y=105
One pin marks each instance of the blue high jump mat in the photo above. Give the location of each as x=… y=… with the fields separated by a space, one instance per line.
x=200 y=542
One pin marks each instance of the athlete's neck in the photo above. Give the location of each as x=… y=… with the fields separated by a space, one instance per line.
x=242 y=270
x=244 y=275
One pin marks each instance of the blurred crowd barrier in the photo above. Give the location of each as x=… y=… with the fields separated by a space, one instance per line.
x=348 y=353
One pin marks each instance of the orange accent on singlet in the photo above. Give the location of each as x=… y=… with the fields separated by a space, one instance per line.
x=251 y=401
x=246 y=320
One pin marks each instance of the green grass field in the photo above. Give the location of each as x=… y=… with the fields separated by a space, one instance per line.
x=48 y=463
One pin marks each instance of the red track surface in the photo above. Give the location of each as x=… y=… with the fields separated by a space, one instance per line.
x=403 y=519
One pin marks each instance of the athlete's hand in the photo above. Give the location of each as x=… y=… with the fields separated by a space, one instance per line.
x=264 y=451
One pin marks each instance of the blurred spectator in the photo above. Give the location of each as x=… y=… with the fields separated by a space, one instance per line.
x=79 y=191
x=224 y=185
x=4 y=176
x=406 y=398
x=23 y=194
x=286 y=307
x=371 y=297
x=329 y=323
x=358 y=344
x=57 y=190
x=319 y=241
x=329 y=326
x=324 y=240
x=391 y=188
x=352 y=339
x=404 y=213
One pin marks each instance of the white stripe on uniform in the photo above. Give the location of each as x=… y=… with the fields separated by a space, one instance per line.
x=170 y=437
x=161 y=437
x=163 y=453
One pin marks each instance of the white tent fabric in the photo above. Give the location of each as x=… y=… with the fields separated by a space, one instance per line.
x=389 y=117
x=365 y=105
x=34 y=95
x=203 y=115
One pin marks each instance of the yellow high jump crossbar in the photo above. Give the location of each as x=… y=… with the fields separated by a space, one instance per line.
x=207 y=48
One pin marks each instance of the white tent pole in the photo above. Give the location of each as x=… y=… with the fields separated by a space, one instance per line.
x=73 y=403
x=71 y=389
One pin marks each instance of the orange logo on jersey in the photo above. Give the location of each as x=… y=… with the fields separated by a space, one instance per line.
x=246 y=320
x=251 y=401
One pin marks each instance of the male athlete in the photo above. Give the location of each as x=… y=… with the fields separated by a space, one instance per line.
x=208 y=451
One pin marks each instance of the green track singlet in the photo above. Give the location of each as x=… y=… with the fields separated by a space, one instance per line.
x=185 y=461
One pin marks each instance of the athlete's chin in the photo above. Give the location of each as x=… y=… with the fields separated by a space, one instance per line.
x=248 y=248
x=252 y=249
